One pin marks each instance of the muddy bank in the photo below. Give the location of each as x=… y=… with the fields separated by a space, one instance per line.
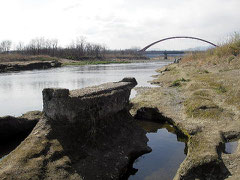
x=28 y=65
x=11 y=127
x=13 y=130
x=97 y=139
x=201 y=101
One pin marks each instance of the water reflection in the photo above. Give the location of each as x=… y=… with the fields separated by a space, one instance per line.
x=22 y=91
x=168 y=152
x=231 y=147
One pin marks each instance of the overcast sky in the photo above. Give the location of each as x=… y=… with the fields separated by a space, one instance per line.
x=120 y=24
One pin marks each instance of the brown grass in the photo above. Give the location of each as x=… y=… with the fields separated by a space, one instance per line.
x=234 y=99
x=202 y=107
x=227 y=51
x=20 y=57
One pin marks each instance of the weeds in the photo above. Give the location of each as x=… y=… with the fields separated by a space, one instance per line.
x=202 y=107
x=229 y=48
x=200 y=71
x=178 y=83
x=230 y=59
x=202 y=93
x=233 y=99
x=220 y=89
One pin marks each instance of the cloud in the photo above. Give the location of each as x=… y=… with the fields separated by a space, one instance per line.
x=120 y=23
x=68 y=8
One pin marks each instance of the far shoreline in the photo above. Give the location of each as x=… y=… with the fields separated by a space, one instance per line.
x=13 y=63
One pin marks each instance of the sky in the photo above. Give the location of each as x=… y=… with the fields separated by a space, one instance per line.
x=120 y=24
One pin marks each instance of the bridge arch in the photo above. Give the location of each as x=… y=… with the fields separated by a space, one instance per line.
x=177 y=37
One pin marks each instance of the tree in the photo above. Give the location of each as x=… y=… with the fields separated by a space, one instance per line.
x=54 y=43
x=5 y=46
x=20 y=47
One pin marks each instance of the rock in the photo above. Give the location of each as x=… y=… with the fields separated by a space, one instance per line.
x=84 y=134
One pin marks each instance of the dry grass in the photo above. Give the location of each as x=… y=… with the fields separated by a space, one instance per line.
x=23 y=58
x=179 y=82
x=214 y=81
x=234 y=99
x=230 y=47
x=202 y=107
x=227 y=51
x=204 y=90
x=202 y=93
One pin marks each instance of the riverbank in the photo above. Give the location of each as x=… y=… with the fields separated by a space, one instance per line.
x=31 y=65
x=200 y=96
x=66 y=62
x=18 y=62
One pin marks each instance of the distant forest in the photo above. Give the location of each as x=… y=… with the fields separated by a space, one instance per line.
x=79 y=49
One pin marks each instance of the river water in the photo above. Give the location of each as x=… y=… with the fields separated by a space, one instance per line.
x=22 y=91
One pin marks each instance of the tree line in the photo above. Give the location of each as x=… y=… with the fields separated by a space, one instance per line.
x=77 y=50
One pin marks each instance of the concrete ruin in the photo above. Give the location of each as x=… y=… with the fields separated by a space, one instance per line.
x=89 y=103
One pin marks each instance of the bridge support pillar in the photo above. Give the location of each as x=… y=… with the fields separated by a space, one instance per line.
x=165 y=55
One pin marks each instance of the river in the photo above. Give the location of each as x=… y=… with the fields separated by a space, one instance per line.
x=22 y=91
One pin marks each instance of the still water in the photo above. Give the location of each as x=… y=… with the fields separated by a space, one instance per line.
x=168 y=152
x=231 y=147
x=22 y=91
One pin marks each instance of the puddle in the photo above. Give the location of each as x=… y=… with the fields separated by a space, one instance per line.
x=1 y=158
x=168 y=152
x=230 y=147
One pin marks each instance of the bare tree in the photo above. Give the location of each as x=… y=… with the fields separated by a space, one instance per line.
x=5 y=46
x=40 y=44
x=78 y=49
x=20 y=47
x=54 y=43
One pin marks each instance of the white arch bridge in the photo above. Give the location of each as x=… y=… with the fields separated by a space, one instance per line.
x=177 y=37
